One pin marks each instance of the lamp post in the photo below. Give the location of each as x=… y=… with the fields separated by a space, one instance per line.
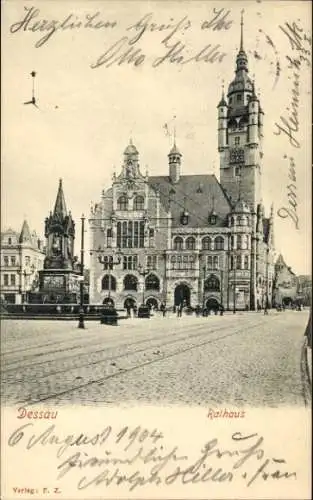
x=109 y=262
x=143 y=271
x=222 y=288
x=81 y=321
x=266 y=292
x=234 y=285
x=203 y=297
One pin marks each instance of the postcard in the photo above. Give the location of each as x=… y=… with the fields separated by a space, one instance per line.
x=156 y=283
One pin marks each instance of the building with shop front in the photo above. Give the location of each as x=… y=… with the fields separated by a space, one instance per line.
x=22 y=256
x=190 y=239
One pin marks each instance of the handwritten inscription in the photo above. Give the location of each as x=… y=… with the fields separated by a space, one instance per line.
x=141 y=457
x=34 y=23
x=291 y=210
x=127 y=49
x=288 y=124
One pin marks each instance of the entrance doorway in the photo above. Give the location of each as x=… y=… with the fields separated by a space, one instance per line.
x=152 y=303
x=182 y=295
x=108 y=302
x=287 y=301
x=212 y=304
x=129 y=303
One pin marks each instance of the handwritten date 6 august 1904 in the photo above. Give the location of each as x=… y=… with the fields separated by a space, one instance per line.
x=138 y=457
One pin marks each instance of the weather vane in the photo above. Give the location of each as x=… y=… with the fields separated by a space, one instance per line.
x=33 y=99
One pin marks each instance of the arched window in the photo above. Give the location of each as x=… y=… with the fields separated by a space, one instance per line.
x=139 y=203
x=109 y=237
x=212 y=284
x=122 y=203
x=239 y=241
x=190 y=243
x=206 y=243
x=178 y=243
x=232 y=221
x=152 y=282
x=106 y=285
x=9 y=241
x=238 y=261
x=130 y=282
x=219 y=243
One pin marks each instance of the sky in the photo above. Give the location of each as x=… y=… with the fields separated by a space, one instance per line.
x=87 y=111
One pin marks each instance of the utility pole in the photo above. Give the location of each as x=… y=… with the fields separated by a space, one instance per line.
x=81 y=322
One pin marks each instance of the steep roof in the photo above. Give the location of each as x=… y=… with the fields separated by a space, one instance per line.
x=25 y=233
x=60 y=205
x=199 y=195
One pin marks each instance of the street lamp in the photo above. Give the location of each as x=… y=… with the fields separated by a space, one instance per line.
x=266 y=292
x=203 y=298
x=234 y=284
x=143 y=271
x=81 y=322
x=109 y=262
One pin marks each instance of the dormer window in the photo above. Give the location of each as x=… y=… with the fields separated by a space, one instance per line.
x=212 y=219
x=9 y=241
x=239 y=97
x=184 y=218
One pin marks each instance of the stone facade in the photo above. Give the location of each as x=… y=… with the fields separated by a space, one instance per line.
x=189 y=238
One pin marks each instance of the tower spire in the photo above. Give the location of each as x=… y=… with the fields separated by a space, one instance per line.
x=60 y=206
x=241 y=31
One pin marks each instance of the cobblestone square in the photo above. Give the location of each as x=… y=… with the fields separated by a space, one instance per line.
x=246 y=359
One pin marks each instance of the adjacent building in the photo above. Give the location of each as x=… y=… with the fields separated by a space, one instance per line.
x=22 y=256
x=286 y=284
x=190 y=239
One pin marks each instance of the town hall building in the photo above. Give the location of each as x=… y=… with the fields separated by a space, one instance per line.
x=190 y=239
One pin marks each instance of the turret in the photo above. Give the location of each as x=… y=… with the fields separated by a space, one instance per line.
x=222 y=123
x=253 y=109
x=174 y=158
x=131 y=165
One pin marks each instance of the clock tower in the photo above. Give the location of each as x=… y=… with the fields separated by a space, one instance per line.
x=240 y=134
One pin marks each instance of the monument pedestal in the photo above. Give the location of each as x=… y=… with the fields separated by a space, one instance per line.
x=56 y=286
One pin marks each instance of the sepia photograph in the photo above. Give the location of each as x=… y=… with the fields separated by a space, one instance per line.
x=156 y=243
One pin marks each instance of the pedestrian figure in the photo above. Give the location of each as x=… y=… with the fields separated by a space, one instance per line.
x=180 y=310
x=163 y=309
x=265 y=311
x=221 y=310
x=128 y=311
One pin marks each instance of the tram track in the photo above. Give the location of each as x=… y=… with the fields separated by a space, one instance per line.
x=100 y=381
x=14 y=364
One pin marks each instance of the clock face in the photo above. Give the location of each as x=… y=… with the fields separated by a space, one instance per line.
x=237 y=156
